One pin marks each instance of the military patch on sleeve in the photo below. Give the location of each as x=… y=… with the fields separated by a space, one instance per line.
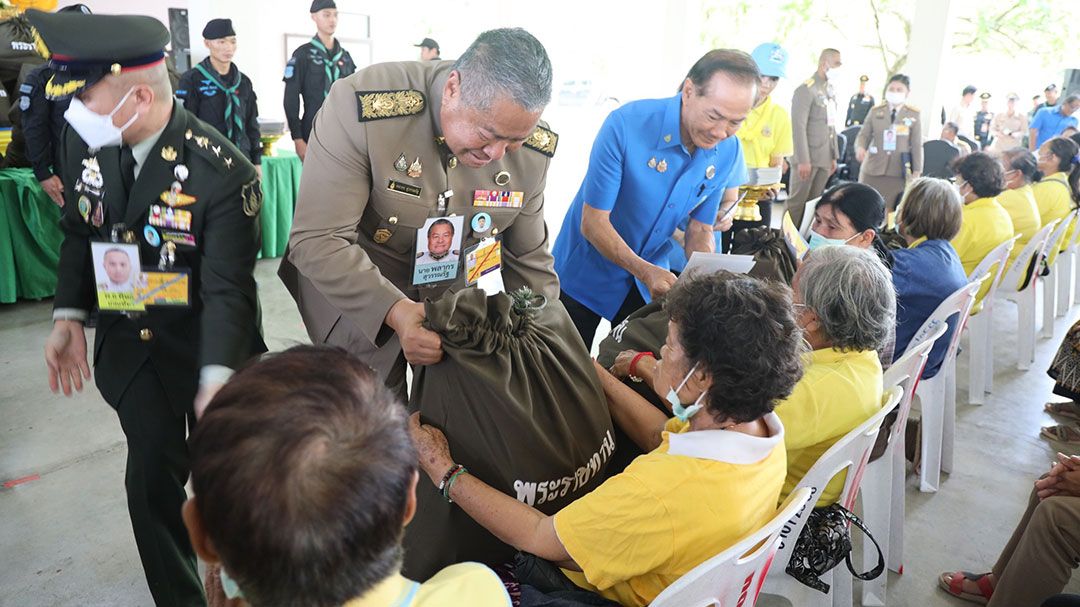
x=252 y=195
x=377 y=105
x=544 y=141
x=290 y=68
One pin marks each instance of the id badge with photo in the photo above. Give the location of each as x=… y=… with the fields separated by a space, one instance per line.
x=888 y=140
x=117 y=275
x=438 y=250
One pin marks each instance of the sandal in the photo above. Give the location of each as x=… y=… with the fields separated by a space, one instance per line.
x=1062 y=433
x=1068 y=410
x=953 y=583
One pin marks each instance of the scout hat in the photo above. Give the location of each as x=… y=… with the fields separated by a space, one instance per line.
x=216 y=29
x=319 y=5
x=121 y=43
x=771 y=59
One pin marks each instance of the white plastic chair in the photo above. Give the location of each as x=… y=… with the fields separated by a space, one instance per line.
x=1067 y=282
x=1024 y=294
x=734 y=577
x=981 y=325
x=937 y=395
x=808 y=218
x=883 y=484
x=1050 y=281
x=849 y=453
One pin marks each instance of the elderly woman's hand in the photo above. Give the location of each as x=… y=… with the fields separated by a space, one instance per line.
x=431 y=447
x=621 y=367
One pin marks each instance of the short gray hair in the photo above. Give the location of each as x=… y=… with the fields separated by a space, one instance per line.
x=507 y=61
x=931 y=209
x=852 y=294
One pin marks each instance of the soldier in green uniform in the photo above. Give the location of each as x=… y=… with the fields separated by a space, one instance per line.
x=859 y=105
x=147 y=179
x=397 y=145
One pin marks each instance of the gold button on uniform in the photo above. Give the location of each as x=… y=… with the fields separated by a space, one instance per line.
x=453 y=162
x=146 y=334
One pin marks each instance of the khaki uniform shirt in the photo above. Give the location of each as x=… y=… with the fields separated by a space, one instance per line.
x=1008 y=131
x=813 y=123
x=359 y=208
x=880 y=161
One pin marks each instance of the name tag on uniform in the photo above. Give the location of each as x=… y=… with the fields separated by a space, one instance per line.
x=888 y=140
x=404 y=188
x=162 y=216
x=903 y=130
x=497 y=198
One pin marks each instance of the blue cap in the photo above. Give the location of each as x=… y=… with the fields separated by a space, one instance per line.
x=771 y=59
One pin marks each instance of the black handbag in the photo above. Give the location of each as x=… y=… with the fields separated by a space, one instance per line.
x=824 y=542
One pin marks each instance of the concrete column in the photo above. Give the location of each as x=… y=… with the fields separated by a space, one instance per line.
x=929 y=61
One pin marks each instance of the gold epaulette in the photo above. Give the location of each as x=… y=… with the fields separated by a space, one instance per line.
x=54 y=91
x=912 y=108
x=377 y=105
x=543 y=140
x=809 y=81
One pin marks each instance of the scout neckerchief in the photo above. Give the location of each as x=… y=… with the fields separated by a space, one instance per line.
x=234 y=123
x=333 y=71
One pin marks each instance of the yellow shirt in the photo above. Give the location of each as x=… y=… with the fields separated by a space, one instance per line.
x=1053 y=197
x=1024 y=212
x=985 y=225
x=672 y=509
x=837 y=392
x=470 y=584
x=766 y=133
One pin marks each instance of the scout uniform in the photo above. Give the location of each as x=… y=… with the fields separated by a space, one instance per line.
x=982 y=124
x=226 y=102
x=42 y=122
x=377 y=170
x=186 y=201
x=859 y=106
x=813 y=126
x=892 y=138
x=308 y=75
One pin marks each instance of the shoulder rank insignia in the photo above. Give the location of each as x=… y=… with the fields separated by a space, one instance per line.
x=56 y=91
x=544 y=141
x=911 y=107
x=252 y=195
x=376 y=105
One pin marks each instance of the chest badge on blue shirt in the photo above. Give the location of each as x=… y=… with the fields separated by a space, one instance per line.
x=710 y=172
x=661 y=166
x=652 y=162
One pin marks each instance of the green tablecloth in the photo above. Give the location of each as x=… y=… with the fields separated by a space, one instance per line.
x=30 y=238
x=281 y=183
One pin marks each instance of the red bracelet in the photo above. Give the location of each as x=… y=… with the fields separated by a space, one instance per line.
x=633 y=365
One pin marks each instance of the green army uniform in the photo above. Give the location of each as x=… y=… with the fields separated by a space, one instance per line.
x=375 y=168
x=193 y=202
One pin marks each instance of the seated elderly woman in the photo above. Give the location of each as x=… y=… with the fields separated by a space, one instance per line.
x=713 y=473
x=985 y=224
x=1018 y=198
x=305 y=477
x=928 y=270
x=852 y=214
x=846 y=308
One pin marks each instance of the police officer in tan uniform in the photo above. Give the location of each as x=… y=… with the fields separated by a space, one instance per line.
x=889 y=145
x=395 y=145
x=813 y=127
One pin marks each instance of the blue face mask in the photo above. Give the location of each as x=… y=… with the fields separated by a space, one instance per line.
x=681 y=412
x=817 y=240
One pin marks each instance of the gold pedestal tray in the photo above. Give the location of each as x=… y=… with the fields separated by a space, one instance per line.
x=748 y=206
x=268 y=144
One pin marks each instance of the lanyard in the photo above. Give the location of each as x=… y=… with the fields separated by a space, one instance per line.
x=408 y=598
x=333 y=72
x=232 y=107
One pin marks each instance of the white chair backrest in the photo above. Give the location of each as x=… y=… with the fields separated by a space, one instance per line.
x=1034 y=250
x=994 y=264
x=958 y=304
x=734 y=577
x=850 y=452
x=1056 y=244
x=906 y=372
x=808 y=217
x=1074 y=237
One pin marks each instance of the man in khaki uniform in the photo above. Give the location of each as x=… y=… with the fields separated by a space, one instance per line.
x=396 y=144
x=889 y=146
x=813 y=127
x=1009 y=127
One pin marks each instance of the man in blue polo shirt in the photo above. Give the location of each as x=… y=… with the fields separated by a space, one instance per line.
x=654 y=163
x=1050 y=121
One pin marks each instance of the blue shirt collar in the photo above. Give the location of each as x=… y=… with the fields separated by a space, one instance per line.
x=670 y=135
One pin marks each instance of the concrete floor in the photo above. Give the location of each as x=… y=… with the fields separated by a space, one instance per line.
x=65 y=539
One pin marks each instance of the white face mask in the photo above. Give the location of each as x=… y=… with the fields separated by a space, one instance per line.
x=96 y=130
x=895 y=97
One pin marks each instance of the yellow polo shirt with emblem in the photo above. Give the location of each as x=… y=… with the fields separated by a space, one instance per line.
x=837 y=392
x=672 y=509
x=1053 y=195
x=470 y=584
x=985 y=225
x=1024 y=212
x=766 y=133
